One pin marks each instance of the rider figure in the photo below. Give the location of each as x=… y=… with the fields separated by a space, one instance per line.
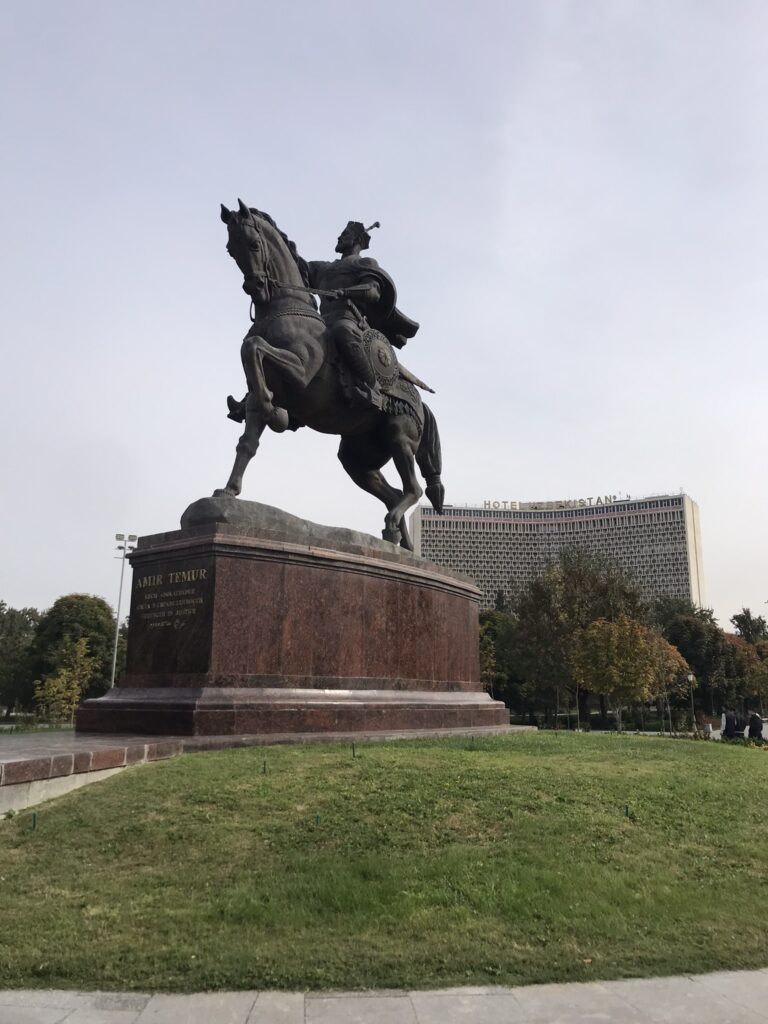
x=358 y=295
x=356 y=284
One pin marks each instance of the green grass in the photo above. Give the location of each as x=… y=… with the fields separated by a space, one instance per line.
x=518 y=859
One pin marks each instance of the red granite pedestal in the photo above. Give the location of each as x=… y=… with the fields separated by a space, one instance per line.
x=268 y=624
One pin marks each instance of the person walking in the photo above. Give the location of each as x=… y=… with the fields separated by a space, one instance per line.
x=731 y=725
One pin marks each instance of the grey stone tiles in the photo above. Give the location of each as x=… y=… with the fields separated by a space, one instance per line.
x=728 y=997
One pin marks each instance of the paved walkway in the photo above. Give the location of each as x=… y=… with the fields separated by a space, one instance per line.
x=731 y=997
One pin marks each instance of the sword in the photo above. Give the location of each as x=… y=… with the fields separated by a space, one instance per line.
x=407 y=375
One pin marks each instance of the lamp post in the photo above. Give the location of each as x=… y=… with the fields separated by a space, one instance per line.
x=126 y=545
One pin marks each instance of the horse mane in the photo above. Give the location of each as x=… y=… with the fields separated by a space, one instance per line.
x=301 y=263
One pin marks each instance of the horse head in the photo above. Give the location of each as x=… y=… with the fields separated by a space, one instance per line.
x=267 y=258
x=249 y=248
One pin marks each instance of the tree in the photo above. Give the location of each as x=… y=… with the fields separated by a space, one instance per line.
x=740 y=660
x=74 y=617
x=487 y=658
x=555 y=607
x=751 y=628
x=758 y=683
x=17 y=630
x=665 y=608
x=627 y=662
x=701 y=643
x=672 y=676
x=58 y=695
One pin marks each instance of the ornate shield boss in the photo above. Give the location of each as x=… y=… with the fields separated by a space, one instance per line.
x=381 y=356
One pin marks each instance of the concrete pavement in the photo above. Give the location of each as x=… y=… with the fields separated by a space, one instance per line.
x=729 y=997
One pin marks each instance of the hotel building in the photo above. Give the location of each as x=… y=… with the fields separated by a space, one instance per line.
x=503 y=544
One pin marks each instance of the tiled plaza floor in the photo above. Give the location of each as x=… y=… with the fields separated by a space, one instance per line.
x=732 y=997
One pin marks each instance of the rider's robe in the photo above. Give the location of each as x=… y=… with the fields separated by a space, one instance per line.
x=383 y=315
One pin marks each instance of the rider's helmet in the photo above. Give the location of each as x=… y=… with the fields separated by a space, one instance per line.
x=359 y=232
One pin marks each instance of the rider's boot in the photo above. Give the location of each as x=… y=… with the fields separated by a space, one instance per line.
x=236 y=409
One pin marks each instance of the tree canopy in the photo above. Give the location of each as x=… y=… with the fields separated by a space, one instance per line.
x=573 y=592
x=581 y=629
x=751 y=627
x=628 y=662
x=58 y=694
x=74 y=617
x=17 y=631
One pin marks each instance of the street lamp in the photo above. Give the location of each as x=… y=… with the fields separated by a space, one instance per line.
x=126 y=546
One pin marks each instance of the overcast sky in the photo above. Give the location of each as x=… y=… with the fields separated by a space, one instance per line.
x=574 y=205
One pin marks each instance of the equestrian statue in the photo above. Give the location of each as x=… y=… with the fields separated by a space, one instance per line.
x=334 y=370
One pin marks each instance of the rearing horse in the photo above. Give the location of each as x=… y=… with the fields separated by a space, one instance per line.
x=292 y=381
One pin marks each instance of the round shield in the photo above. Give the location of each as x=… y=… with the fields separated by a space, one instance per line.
x=381 y=356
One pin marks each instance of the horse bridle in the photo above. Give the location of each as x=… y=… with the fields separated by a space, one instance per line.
x=272 y=281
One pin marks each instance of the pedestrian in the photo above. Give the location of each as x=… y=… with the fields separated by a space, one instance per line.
x=731 y=724
x=755 y=726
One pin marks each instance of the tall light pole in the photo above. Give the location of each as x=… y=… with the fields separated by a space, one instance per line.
x=126 y=545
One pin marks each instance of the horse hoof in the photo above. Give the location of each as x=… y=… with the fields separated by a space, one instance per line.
x=224 y=492
x=392 y=535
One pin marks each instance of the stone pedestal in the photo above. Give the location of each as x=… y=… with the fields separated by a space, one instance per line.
x=251 y=621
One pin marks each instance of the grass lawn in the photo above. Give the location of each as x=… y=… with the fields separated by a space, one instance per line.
x=526 y=858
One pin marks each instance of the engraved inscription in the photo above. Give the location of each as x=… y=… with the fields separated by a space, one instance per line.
x=171 y=600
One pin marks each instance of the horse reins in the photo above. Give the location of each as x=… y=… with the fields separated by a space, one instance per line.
x=322 y=292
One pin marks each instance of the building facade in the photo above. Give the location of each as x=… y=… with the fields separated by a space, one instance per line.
x=503 y=544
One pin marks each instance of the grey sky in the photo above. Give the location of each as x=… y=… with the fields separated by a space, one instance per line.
x=573 y=204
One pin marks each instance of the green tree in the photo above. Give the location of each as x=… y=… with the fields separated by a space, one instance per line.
x=758 y=683
x=498 y=633
x=665 y=608
x=58 y=694
x=627 y=662
x=487 y=658
x=751 y=627
x=739 y=663
x=672 y=677
x=74 y=617
x=122 y=649
x=17 y=630
x=701 y=643
x=552 y=611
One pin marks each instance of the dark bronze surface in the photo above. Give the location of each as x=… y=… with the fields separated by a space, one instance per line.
x=334 y=370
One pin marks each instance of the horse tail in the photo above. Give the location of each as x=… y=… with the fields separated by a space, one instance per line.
x=430 y=460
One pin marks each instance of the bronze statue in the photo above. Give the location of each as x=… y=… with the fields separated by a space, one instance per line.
x=334 y=370
x=358 y=294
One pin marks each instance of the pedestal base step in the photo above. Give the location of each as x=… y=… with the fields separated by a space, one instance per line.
x=234 y=711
